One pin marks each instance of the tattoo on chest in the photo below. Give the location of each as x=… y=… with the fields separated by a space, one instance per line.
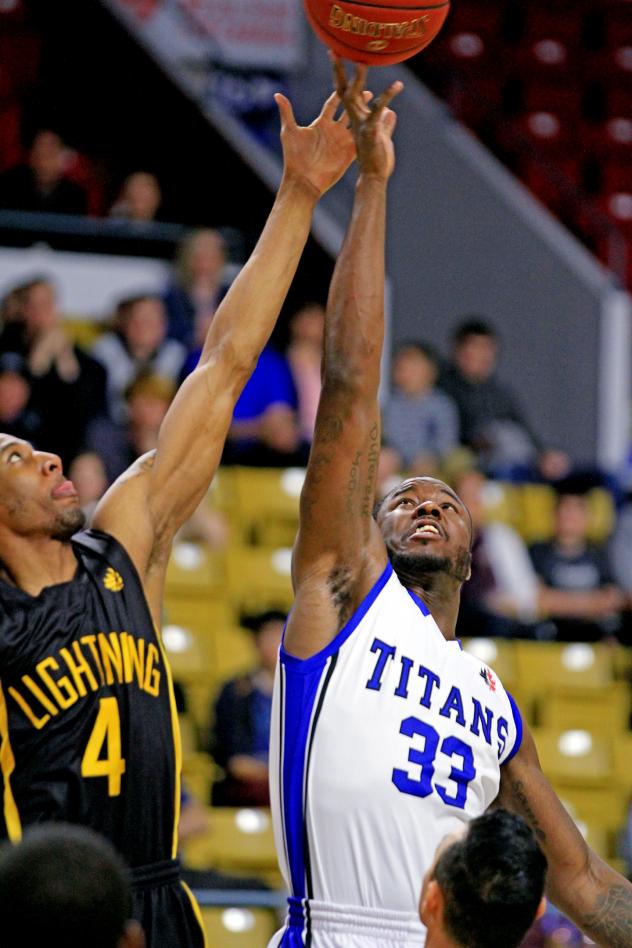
x=611 y=922
x=522 y=800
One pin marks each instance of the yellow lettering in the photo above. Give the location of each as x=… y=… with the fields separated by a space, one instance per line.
x=152 y=676
x=79 y=666
x=90 y=641
x=133 y=658
x=62 y=690
x=39 y=694
x=35 y=721
x=336 y=16
x=110 y=648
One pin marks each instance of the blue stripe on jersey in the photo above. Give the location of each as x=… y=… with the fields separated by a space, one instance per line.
x=518 y=722
x=317 y=660
x=418 y=602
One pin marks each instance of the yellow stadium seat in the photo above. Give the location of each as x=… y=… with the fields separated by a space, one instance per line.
x=575 y=756
x=622 y=748
x=536 y=507
x=237 y=839
x=195 y=569
x=606 y=709
x=83 y=332
x=240 y=927
x=604 y=807
x=204 y=614
x=259 y=578
x=198 y=773
x=235 y=652
x=267 y=503
x=499 y=654
x=545 y=665
x=601 y=514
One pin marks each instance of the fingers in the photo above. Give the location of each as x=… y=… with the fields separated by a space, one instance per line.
x=340 y=76
x=285 y=110
x=343 y=119
x=331 y=104
x=387 y=96
x=389 y=121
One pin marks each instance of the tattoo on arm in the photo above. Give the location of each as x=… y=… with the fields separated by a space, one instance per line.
x=374 y=458
x=354 y=481
x=522 y=800
x=611 y=921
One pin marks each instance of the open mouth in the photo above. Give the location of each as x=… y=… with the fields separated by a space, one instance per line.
x=426 y=531
x=65 y=489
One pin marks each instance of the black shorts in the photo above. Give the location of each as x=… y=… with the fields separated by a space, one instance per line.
x=165 y=907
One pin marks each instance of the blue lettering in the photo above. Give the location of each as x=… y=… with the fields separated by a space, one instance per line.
x=503 y=730
x=454 y=702
x=402 y=688
x=462 y=776
x=484 y=722
x=432 y=681
x=385 y=652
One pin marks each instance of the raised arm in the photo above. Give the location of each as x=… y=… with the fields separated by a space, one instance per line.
x=146 y=505
x=339 y=552
x=593 y=895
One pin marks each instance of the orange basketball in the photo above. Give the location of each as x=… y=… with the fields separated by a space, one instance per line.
x=380 y=32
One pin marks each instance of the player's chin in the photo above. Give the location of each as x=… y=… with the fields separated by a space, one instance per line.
x=68 y=522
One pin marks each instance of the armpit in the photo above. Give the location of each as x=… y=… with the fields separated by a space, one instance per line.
x=340 y=584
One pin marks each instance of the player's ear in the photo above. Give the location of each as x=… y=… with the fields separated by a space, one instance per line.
x=134 y=936
x=431 y=908
x=541 y=908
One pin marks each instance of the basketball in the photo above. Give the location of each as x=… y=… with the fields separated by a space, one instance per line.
x=379 y=33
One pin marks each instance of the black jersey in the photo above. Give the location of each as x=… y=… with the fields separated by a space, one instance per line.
x=88 y=729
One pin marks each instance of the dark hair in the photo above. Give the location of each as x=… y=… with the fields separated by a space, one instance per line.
x=256 y=622
x=422 y=348
x=127 y=304
x=492 y=881
x=473 y=326
x=63 y=886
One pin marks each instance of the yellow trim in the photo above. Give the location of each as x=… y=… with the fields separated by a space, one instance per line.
x=175 y=728
x=7 y=766
x=196 y=911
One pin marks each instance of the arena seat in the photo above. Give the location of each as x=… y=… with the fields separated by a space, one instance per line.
x=576 y=756
x=198 y=773
x=258 y=578
x=606 y=709
x=266 y=504
x=235 y=652
x=238 y=839
x=195 y=569
x=604 y=807
x=239 y=926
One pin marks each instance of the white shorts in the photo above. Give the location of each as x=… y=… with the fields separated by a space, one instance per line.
x=348 y=926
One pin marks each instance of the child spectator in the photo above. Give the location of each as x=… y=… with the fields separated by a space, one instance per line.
x=420 y=423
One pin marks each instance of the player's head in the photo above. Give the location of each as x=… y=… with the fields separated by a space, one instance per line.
x=36 y=500
x=64 y=887
x=486 y=885
x=427 y=529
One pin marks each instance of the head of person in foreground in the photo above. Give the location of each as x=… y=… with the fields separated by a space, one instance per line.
x=64 y=886
x=486 y=885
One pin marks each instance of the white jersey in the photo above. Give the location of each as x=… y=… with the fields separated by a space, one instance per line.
x=381 y=744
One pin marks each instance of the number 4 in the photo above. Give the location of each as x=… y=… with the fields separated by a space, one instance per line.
x=106 y=731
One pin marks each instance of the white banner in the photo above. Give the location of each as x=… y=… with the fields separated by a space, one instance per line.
x=248 y=34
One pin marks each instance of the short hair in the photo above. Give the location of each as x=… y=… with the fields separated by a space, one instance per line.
x=473 y=326
x=125 y=306
x=422 y=348
x=62 y=886
x=255 y=622
x=492 y=881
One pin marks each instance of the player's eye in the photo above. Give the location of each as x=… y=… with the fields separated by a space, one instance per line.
x=13 y=456
x=448 y=506
x=405 y=500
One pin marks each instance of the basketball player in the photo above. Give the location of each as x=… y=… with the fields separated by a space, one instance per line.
x=88 y=730
x=64 y=886
x=486 y=885
x=386 y=737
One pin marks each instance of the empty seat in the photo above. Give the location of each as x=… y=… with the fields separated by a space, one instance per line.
x=240 y=926
x=258 y=578
x=237 y=839
x=542 y=666
x=575 y=755
x=606 y=710
x=195 y=569
x=266 y=503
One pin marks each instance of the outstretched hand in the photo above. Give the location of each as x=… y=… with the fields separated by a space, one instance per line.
x=372 y=123
x=319 y=153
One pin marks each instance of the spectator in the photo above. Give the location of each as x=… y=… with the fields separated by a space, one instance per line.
x=491 y=421
x=62 y=375
x=17 y=416
x=118 y=444
x=88 y=474
x=486 y=885
x=139 y=199
x=64 y=886
x=577 y=590
x=198 y=286
x=138 y=345
x=501 y=597
x=420 y=423
x=241 y=732
x=304 y=356
x=41 y=184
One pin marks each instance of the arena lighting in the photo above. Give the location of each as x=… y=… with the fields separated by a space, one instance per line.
x=252 y=821
x=282 y=561
x=238 y=920
x=176 y=639
x=187 y=556
x=484 y=649
x=578 y=657
x=575 y=743
x=292 y=480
